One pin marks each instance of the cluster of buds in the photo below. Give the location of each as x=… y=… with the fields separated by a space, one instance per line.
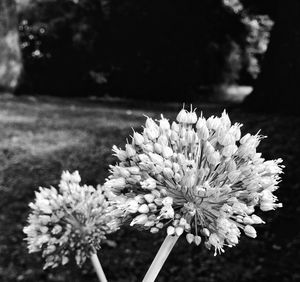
x=73 y=220
x=196 y=175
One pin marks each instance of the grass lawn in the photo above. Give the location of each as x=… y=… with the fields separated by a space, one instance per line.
x=41 y=137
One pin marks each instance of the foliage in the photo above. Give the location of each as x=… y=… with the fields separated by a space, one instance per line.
x=162 y=49
x=258 y=35
x=60 y=40
x=158 y=48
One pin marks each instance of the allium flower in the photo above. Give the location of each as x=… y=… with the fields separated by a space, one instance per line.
x=196 y=176
x=73 y=220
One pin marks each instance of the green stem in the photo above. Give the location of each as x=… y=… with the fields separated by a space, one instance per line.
x=98 y=268
x=160 y=258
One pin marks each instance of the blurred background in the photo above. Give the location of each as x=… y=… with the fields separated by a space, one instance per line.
x=77 y=75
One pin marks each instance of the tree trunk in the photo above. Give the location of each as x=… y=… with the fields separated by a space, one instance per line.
x=10 y=54
x=278 y=86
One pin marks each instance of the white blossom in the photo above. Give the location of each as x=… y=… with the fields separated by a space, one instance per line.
x=72 y=220
x=198 y=176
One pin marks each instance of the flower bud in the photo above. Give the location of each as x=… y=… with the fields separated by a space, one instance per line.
x=197 y=240
x=158 y=201
x=179 y=230
x=234 y=175
x=250 y=231
x=256 y=219
x=182 y=116
x=182 y=221
x=190 y=180
x=205 y=232
x=151 y=133
x=163 y=140
x=191 y=117
x=177 y=177
x=71 y=177
x=190 y=238
x=168 y=163
x=148 y=184
x=140 y=220
x=208 y=149
x=154 y=230
x=164 y=124
x=167 y=152
x=176 y=167
x=266 y=182
x=120 y=154
x=149 y=198
x=151 y=124
x=175 y=126
x=226 y=139
x=235 y=130
x=134 y=170
x=190 y=136
x=138 y=138
x=213 y=123
x=157 y=169
x=130 y=151
x=158 y=148
x=56 y=229
x=170 y=230
x=156 y=159
x=139 y=199
x=245 y=138
x=166 y=212
x=148 y=147
x=248 y=220
x=229 y=150
x=152 y=207
x=267 y=205
x=231 y=165
x=168 y=173
x=144 y=158
x=232 y=239
x=214 y=158
x=132 y=206
x=167 y=201
x=143 y=208
x=116 y=183
x=202 y=129
x=149 y=223
x=225 y=119
x=124 y=172
x=174 y=136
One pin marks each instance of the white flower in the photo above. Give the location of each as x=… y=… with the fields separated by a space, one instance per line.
x=149 y=183
x=199 y=176
x=250 y=231
x=74 y=219
x=164 y=124
x=138 y=139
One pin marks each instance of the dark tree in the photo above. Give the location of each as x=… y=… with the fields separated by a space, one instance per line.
x=278 y=86
x=10 y=55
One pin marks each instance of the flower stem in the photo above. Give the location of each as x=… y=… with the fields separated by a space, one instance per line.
x=160 y=258
x=98 y=268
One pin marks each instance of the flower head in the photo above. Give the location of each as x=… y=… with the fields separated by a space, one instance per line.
x=73 y=220
x=197 y=176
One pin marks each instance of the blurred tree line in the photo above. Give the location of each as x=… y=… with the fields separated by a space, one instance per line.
x=172 y=50
x=277 y=87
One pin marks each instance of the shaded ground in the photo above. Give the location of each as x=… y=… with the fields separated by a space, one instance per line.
x=39 y=139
